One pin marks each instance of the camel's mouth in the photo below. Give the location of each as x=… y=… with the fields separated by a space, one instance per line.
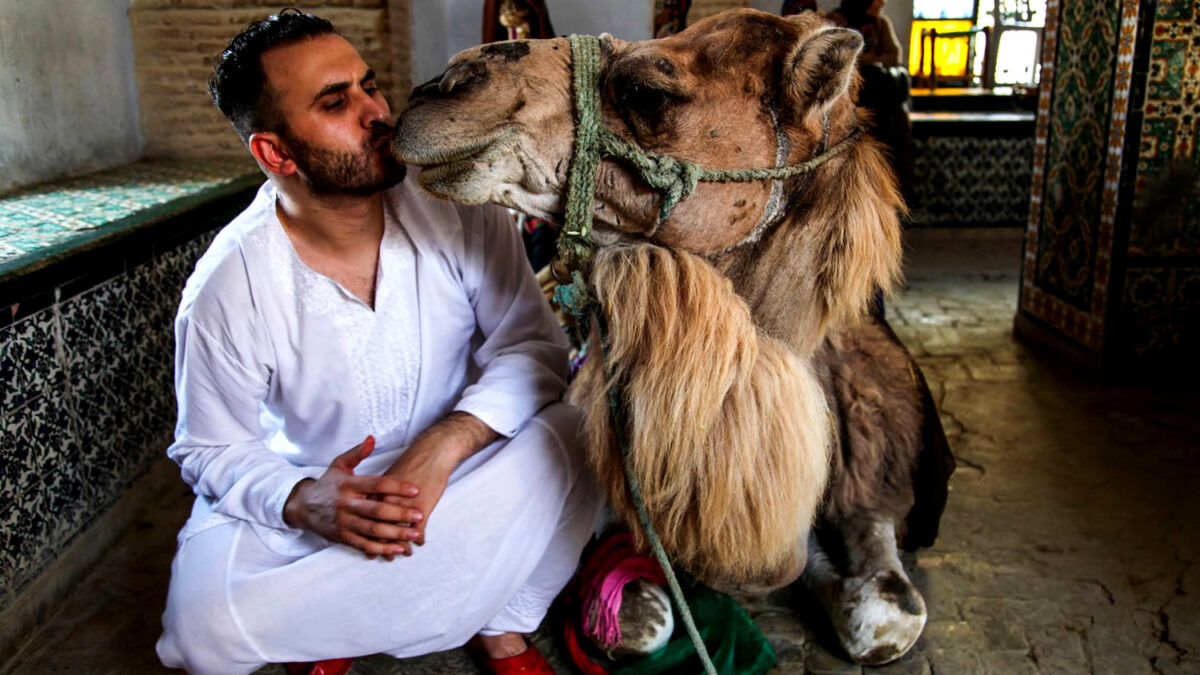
x=447 y=167
x=430 y=156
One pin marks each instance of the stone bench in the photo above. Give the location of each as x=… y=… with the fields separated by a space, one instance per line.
x=91 y=270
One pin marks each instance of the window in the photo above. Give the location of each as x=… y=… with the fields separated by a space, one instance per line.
x=976 y=43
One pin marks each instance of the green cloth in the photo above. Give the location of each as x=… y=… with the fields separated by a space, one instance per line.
x=734 y=642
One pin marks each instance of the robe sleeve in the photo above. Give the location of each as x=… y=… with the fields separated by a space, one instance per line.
x=220 y=441
x=523 y=352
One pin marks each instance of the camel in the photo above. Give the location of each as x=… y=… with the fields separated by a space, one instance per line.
x=777 y=426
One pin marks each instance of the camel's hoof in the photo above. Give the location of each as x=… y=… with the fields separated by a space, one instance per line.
x=646 y=621
x=880 y=617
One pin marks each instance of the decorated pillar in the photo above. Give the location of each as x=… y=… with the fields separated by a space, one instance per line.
x=1111 y=270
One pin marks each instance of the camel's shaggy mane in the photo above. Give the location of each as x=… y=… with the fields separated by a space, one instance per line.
x=728 y=429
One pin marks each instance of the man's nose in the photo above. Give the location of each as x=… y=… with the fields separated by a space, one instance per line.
x=376 y=110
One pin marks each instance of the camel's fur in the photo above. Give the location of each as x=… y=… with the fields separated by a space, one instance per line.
x=820 y=267
x=873 y=384
x=727 y=428
x=734 y=360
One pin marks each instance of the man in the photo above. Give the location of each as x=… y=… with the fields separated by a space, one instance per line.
x=367 y=384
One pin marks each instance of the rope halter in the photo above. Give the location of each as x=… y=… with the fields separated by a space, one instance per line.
x=676 y=179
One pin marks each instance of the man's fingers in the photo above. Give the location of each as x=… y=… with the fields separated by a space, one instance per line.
x=350 y=458
x=386 y=532
x=381 y=485
x=377 y=510
x=374 y=548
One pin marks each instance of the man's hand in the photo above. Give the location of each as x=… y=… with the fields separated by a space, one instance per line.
x=360 y=511
x=432 y=457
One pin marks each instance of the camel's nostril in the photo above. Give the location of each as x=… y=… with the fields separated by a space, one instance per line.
x=460 y=74
x=425 y=88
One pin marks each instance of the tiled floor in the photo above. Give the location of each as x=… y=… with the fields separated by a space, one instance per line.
x=1068 y=546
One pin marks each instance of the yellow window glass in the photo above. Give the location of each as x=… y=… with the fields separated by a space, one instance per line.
x=950 y=54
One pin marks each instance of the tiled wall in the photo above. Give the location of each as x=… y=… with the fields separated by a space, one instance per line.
x=1160 y=306
x=1112 y=241
x=87 y=406
x=971 y=180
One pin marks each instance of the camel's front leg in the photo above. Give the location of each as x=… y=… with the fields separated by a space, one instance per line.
x=874 y=607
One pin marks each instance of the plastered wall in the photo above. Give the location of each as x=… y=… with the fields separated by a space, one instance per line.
x=68 y=99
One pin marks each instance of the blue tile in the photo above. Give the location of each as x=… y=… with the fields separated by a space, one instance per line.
x=100 y=412
x=29 y=364
x=96 y=331
x=12 y=543
x=71 y=503
x=25 y=528
x=17 y=465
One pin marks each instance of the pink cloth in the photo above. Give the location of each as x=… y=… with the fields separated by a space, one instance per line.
x=614 y=563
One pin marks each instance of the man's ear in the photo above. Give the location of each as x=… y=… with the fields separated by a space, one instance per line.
x=268 y=149
x=821 y=68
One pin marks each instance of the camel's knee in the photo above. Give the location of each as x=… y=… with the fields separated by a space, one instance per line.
x=875 y=610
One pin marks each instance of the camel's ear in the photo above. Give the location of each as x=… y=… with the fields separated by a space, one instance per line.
x=609 y=45
x=821 y=67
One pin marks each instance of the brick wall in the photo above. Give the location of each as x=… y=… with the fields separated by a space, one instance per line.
x=176 y=41
x=703 y=8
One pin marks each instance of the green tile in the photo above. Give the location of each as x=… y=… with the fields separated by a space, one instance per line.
x=49 y=213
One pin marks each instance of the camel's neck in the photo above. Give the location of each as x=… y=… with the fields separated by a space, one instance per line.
x=775 y=279
x=837 y=244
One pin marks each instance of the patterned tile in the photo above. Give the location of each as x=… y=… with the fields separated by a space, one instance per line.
x=44 y=431
x=11 y=545
x=98 y=199
x=1159 y=311
x=16 y=461
x=1083 y=90
x=1101 y=57
x=966 y=180
x=1169 y=153
x=23 y=530
x=29 y=365
x=97 y=331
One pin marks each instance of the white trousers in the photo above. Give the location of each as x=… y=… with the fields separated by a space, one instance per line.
x=501 y=543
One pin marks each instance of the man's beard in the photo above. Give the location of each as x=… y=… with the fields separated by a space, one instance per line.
x=334 y=173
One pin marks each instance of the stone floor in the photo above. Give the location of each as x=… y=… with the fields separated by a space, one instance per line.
x=1068 y=546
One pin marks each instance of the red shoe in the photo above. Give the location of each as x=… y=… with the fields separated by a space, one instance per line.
x=326 y=667
x=528 y=662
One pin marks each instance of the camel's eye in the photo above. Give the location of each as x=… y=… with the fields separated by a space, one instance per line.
x=647 y=107
x=640 y=98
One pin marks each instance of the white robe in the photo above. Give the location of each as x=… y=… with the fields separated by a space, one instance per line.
x=279 y=369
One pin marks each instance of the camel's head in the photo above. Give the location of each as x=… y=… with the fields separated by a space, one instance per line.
x=742 y=89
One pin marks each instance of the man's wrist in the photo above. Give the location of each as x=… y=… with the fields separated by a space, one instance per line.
x=291 y=507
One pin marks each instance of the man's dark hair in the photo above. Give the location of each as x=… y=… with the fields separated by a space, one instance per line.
x=238 y=84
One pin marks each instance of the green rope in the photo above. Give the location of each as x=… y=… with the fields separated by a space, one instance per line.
x=676 y=179
x=575 y=243
x=621 y=425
